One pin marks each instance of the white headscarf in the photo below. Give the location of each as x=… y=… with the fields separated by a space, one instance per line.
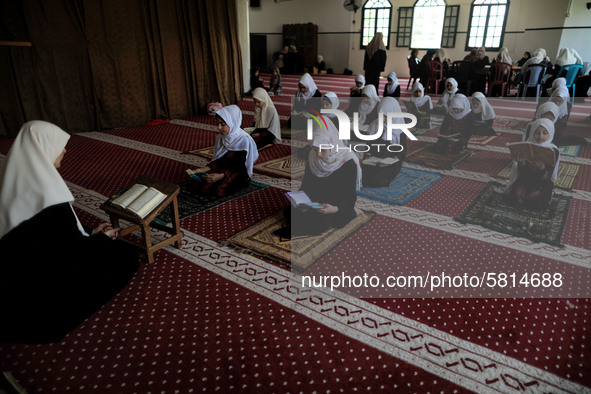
x=266 y=117
x=459 y=101
x=334 y=102
x=562 y=108
x=376 y=44
x=237 y=139
x=568 y=56
x=548 y=106
x=308 y=82
x=485 y=108
x=447 y=95
x=538 y=56
x=387 y=105
x=360 y=78
x=420 y=101
x=392 y=88
x=29 y=181
x=324 y=167
x=557 y=83
x=366 y=108
x=503 y=56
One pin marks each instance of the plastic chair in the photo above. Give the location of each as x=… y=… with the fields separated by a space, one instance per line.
x=463 y=72
x=500 y=74
x=435 y=75
x=572 y=71
x=532 y=79
x=413 y=70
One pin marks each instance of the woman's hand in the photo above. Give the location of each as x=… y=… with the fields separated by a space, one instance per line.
x=201 y=169
x=213 y=178
x=101 y=228
x=112 y=232
x=328 y=209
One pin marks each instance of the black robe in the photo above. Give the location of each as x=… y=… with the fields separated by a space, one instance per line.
x=373 y=67
x=233 y=165
x=395 y=94
x=52 y=277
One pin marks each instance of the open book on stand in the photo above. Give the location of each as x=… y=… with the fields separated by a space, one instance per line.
x=530 y=151
x=300 y=199
x=139 y=199
x=380 y=161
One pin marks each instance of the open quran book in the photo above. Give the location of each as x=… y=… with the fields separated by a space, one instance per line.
x=529 y=151
x=139 y=199
x=300 y=199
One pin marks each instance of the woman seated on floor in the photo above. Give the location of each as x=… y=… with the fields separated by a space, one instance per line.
x=484 y=115
x=548 y=110
x=356 y=92
x=266 y=119
x=451 y=89
x=332 y=179
x=457 y=127
x=54 y=272
x=382 y=176
x=531 y=183
x=420 y=106
x=561 y=97
x=235 y=153
x=331 y=101
x=392 y=88
x=307 y=98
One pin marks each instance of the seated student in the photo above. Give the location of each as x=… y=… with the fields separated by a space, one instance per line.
x=54 y=272
x=331 y=101
x=566 y=56
x=531 y=182
x=235 y=153
x=548 y=110
x=440 y=56
x=557 y=83
x=392 y=88
x=307 y=97
x=526 y=56
x=484 y=115
x=275 y=82
x=561 y=98
x=332 y=179
x=459 y=123
x=320 y=64
x=451 y=88
x=255 y=80
x=376 y=176
x=266 y=120
x=356 y=91
x=422 y=106
x=368 y=108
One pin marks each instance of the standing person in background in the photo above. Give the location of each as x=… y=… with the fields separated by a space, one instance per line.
x=375 y=60
x=480 y=70
x=283 y=60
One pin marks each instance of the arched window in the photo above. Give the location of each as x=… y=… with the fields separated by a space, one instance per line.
x=487 y=24
x=427 y=24
x=376 y=18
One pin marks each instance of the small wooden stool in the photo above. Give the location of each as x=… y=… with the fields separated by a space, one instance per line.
x=144 y=224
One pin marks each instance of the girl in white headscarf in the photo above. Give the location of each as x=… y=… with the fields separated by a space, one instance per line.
x=368 y=109
x=235 y=153
x=458 y=126
x=568 y=56
x=557 y=83
x=307 y=97
x=451 y=88
x=531 y=182
x=332 y=179
x=359 y=85
x=538 y=57
x=54 y=271
x=422 y=106
x=266 y=119
x=503 y=56
x=484 y=115
x=392 y=88
x=548 y=110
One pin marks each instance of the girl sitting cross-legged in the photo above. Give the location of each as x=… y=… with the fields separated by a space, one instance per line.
x=457 y=127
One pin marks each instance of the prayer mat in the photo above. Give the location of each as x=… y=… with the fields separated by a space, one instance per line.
x=570 y=150
x=509 y=124
x=481 y=139
x=191 y=204
x=203 y=152
x=567 y=174
x=299 y=252
x=408 y=184
x=490 y=210
x=444 y=162
x=291 y=167
x=421 y=131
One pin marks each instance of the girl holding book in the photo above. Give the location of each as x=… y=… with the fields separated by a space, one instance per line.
x=357 y=92
x=392 y=88
x=451 y=88
x=531 y=182
x=422 y=106
x=235 y=153
x=266 y=119
x=307 y=97
x=368 y=108
x=54 y=271
x=457 y=127
x=332 y=179
x=484 y=115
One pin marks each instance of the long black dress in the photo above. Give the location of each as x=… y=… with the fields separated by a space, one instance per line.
x=373 y=67
x=232 y=165
x=52 y=277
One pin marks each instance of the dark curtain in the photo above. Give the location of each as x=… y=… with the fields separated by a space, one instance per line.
x=110 y=63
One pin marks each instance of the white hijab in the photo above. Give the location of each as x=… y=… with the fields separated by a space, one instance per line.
x=504 y=57
x=29 y=180
x=447 y=95
x=420 y=101
x=538 y=56
x=334 y=102
x=376 y=44
x=237 y=139
x=557 y=83
x=360 y=78
x=387 y=105
x=308 y=82
x=568 y=56
x=548 y=106
x=392 y=88
x=533 y=126
x=325 y=167
x=366 y=108
x=562 y=108
x=266 y=117
x=486 y=110
x=459 y=101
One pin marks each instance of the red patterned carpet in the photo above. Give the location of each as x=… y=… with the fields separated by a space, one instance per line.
x=209 y=318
